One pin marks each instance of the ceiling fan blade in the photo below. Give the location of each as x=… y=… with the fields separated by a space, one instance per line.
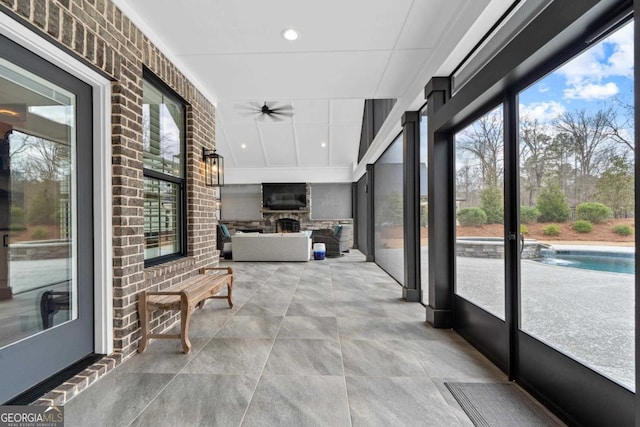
x=284 y=108
x=274 y=117
x=282 y=113
x=246 y=113
x=246 y=108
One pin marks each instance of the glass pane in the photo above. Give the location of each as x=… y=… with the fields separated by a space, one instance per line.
x=37 y=204
x=424 y=214
x=389 y=223
x=480 y=213
x=577 y=208
x=162 y=132
x=161 y=218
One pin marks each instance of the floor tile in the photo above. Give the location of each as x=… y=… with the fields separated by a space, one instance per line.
x=280 y=357
x=298 y=401
x=163 y=357
x=397 y=401
x=305 y=357
x=115 y=400
x=263 y=308
x=379 y=358
x=454 y=360
x=200 y=400
x=205 y=323
x=363 y=309
x=315 y=309
x=251 y=327
x=301 y=327
x=380 y=328
x=313 y=294
x=242 y=356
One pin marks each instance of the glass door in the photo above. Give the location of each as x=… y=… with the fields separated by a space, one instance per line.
x=577 y=192
x=479 y=301
x=46 y=286
x=480 y=213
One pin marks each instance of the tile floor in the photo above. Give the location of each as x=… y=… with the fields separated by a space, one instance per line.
x=323 y=343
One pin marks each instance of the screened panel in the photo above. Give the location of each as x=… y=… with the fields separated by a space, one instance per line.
x=241 y=202
x=388 y=201
x=331 y=201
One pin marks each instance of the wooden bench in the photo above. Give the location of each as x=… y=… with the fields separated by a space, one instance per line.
x=185 y=296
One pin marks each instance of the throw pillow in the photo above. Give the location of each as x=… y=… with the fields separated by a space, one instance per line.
x=225 y=230
x=337 y=229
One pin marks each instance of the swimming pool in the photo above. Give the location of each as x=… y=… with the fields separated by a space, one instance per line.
x=600 y=261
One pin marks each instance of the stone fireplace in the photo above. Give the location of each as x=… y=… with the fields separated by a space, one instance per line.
x=287 y=225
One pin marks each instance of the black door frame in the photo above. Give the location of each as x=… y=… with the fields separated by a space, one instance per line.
x=575 y=392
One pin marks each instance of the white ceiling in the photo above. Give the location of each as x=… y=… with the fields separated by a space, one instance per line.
x=348 y=51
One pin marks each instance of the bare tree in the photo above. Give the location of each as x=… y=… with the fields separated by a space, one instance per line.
x=619 y=124
x=468 y=185
x=484 y=139
x=534 y=154
x=48 y=160
x=589 y=135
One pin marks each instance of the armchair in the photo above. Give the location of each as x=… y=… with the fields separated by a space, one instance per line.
x=336 y=240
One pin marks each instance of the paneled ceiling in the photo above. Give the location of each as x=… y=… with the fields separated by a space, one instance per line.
x=347 y=51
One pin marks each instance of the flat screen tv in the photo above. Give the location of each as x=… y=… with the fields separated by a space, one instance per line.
x=284 y=196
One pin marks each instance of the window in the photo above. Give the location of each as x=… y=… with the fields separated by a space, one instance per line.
x=163 y=136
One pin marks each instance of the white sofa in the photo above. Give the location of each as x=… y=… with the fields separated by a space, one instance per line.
x=271 y=247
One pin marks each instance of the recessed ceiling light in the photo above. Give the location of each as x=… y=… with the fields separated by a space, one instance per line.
x=323 y=144
x=243 y=146
x=290 y=34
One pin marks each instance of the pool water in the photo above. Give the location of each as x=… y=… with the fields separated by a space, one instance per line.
x=617 y=263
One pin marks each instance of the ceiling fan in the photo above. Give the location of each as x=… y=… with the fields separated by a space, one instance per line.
x=273 y=111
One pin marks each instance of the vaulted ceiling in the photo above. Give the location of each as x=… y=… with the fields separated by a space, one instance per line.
x=347 y=51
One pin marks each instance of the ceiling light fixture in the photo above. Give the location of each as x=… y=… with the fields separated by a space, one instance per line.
x=290 y=34
x=243 y=146
x=323 y=144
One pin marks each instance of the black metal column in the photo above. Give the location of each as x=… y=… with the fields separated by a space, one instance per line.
x=354 y=212
x=371 y=215
x=411 y=291
x=636 y=84
x=441 y=210
x=512 y=230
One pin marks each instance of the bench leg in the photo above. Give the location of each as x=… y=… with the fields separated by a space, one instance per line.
x=144 y=322
x=229 y=290
x=185 y=317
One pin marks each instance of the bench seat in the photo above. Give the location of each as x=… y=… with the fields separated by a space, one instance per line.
x=185 y=297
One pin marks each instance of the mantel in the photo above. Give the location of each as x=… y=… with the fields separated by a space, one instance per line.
x=276 y=211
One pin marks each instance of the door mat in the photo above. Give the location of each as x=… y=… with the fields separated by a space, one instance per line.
x=498 y=405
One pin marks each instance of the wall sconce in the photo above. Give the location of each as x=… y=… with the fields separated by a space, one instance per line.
x=213 y=168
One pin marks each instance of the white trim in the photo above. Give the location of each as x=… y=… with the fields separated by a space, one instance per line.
x=102 y=238
x=287 y=174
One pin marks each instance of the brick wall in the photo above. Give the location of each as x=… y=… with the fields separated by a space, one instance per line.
x=99 y=34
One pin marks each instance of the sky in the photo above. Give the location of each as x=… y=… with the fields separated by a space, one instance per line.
x=589 y=81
